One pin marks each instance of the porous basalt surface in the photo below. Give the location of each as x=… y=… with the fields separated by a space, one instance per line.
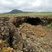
x=25 y=34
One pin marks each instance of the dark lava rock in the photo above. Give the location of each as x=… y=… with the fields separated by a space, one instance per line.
x=9 y=33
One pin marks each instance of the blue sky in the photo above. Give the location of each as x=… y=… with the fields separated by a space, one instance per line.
x=25 y=5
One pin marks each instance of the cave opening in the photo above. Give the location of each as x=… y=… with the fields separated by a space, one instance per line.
x=34 y=21
x=31 y=20
x=28 y=20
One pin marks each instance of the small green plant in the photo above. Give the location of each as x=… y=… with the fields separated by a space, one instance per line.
x=49 y=26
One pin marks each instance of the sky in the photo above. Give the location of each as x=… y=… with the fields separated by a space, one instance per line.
x=26 y=5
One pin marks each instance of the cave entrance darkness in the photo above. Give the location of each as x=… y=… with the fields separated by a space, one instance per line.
x=34 y=21
x=31 y=20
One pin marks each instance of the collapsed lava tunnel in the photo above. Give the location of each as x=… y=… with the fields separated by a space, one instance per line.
x=30 y=20
x=34 y=21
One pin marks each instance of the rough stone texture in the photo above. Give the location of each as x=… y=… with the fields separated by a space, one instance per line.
x=9 y=34
x=36 y=38
x=25 y=38
x=17 y=21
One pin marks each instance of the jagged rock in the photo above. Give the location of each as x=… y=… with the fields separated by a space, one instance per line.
x=17 y=21
x=9 y=33
x=7 y=49
x=26 y=37
x=37 y=38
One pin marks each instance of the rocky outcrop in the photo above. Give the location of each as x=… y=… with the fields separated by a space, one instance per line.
x=17 y=21
x=9 y=33
x=36 y=38
x=25 y=34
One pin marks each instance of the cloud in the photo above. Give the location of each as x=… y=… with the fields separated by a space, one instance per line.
x=25 y=5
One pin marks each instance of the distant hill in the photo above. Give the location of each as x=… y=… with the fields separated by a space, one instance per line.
x=15 y=11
